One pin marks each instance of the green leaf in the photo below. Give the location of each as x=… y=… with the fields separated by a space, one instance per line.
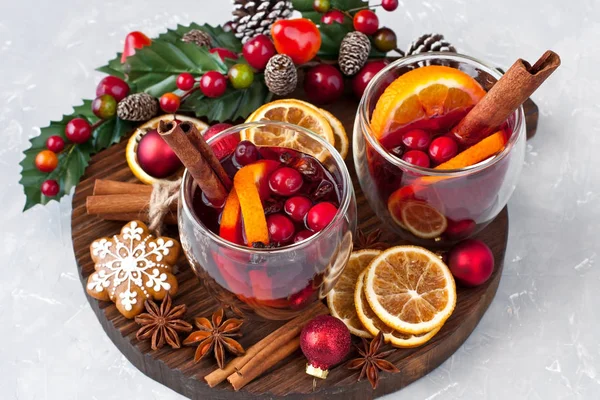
x=73 y=160
x=114 y=67
x=219 y=37
x=331 y=39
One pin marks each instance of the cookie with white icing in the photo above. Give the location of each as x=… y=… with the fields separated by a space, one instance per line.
x=132 y=267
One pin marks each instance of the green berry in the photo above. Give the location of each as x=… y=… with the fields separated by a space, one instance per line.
x=321 y=6
x=241 y=76
x=105 y=106
x=385 y=39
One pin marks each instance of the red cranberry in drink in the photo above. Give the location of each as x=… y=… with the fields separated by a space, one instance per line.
x=416 y=139
x=460 y=229
x=281 y=228
x=245 y=153
x=285 y=181
x=417 y=157
x=297 y=207
x=302 y=235
x=320 y=215
x=442 y=149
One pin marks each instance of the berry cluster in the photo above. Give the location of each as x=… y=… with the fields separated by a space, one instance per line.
x=420 y=149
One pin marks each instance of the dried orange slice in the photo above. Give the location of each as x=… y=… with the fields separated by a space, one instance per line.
x=131 y=149
x=339 y=132
x=424 y=93
x=340 y=299
x=422 y=220
x=410 y=289
x=371 y=322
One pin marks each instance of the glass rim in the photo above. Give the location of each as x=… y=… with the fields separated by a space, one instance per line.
x=365 y=124
x=345 y=195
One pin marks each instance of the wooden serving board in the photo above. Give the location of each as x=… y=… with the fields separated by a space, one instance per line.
x=176 y=369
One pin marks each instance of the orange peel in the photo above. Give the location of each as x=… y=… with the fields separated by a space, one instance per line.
x=231 y=221
x=476 y=153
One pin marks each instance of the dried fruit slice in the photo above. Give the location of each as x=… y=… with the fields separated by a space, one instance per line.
x=341 y=298
x=410 y=289
x=422 y=220
x=371 y=322
x=339 y=132
x=489 y=146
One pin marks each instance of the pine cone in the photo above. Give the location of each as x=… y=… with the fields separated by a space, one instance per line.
x=137 y=107
x=430 y=42
x=197 y=36
x=254 y=17
x=354 y=51
x=281 y=76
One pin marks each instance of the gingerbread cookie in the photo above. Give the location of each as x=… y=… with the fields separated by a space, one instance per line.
x=132 y=267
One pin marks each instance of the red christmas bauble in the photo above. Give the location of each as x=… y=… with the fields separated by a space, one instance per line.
x=471 y=262
x=323 y=84
x=156 y=157
x=364 y=76
x=325 y=341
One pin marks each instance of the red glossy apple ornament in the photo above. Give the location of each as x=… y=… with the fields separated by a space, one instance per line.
x=471 y=262
x=156 y=157
x=134 y=40
x=299 y=38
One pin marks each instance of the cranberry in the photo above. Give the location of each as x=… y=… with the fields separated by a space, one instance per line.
x=116 y=87
x=364 y=76
x=398 y=151
x=50 y=188
x=185 y=81
x=366 y=21
x=245 y=153
x=302 y=235
x=55 y=143
x=281 y=228
x=417 y=157
x=297 y=207
x=46 y=161
x=78 y=130
x=258 y=51
x=213 y=84
x=224 y=53
x=389 y=5
x=285 y=181
x=442 y=149
x=416 y=139
x=320 y=215
x=323 y=84
x=169 y=102
x=333 y=16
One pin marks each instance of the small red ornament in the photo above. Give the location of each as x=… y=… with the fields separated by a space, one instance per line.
x=471 y=262
x=389 y=5
x=325 y=341
x=224 y=53
x=364 y=76
x=333 y=16
x=258 y=51
x=134 y=40
x=323 y=84
x=50 y=188
x=78 y=130
x=185 y=81
x=156 y=157
x=299 y=38
x=169 y=102
x=55 y=143
x=366 y=21
x=213 y=84
x=114 y=86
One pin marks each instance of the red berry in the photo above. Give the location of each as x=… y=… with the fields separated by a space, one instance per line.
x=185 y=81
x=389 y=5
x=213 y=84
x=46 y=161
x=223 y=146
x=416 y=139
x=50 y=188
x=224 y=53
x=258 y=50
x=78 y=130
x=417 y=157
x=169 y=102
x=116 y=87
x=285 y=181
x=55 y=143
x=297 y=207
x=134 y=40
x=442 y=149
x=104 y=107
x=364 y=76
x=320 y=215
x=323 y=84
x=281 y=228
x=333 y=16
x=245 y=153
x=460 y=229
x=302 y=235
x=156 y=157
x=385 y=40
x=366 y=21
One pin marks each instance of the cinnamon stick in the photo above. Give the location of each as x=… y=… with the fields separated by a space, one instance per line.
x=106 y=186
x=201 y=171
x=170 y=218
x=512 y=90
x=198 y=140
x=260 y=351
x=120 y=203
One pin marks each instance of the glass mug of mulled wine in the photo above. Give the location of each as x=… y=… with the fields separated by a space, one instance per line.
x=295 y=182
x=412 y=170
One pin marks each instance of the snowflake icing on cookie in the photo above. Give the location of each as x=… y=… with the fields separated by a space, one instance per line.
x=131 y=267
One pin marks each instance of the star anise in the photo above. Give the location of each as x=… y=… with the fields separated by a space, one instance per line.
x=371 y=361
x=162 y=324
x=216 y=335
x=370 y=241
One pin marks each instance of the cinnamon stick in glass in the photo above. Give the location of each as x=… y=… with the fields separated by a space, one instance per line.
x=508 y=94
x=191 y=157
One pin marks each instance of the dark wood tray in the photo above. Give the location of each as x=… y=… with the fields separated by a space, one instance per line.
x=176 y=369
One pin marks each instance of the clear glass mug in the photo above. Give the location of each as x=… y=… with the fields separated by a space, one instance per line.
x=271 y=283
x=424 y=205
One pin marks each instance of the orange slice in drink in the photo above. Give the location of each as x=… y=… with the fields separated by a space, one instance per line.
x=373 y=324
x=423 y=93
x=231 y=219
x=410 y=289
x=340 y=299
x=422 y=220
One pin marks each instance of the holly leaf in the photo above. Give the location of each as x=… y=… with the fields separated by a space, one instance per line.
x=218 y=36
x=73 y=160
x=306 y=8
